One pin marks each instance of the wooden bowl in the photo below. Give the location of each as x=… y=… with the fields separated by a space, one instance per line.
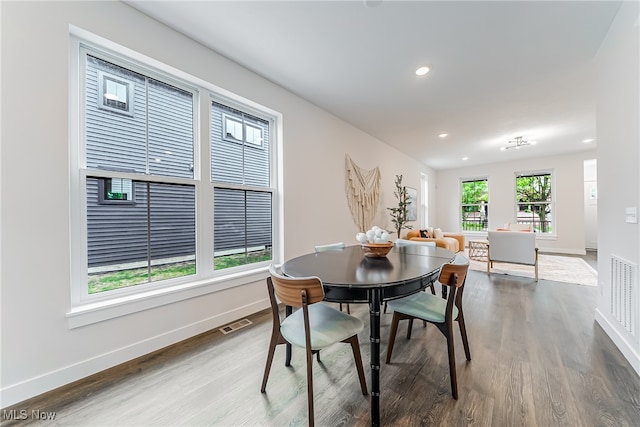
x=377 y=250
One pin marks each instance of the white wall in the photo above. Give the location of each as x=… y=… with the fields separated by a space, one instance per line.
x=569 y=207
x=591 y=204
x=39 y=351
x=618 y=133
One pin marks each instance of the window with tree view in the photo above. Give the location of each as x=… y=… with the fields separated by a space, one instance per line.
x=534 y=203
x=474 y=204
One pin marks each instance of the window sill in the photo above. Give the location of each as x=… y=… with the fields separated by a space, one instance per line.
x=91 y=313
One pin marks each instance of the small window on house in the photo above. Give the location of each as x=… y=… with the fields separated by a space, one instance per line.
x=115 y=190
x=233 y=129
x=237 y=129
x=115 y=93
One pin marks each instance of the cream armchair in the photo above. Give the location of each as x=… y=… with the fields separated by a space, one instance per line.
x=513 y=247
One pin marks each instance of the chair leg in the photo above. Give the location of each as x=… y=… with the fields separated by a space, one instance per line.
x=310 y=386
x=463 y=334
x=433 y=288
x=409 y=327
x=355 y=347
x=348 y=309
x=392 y=336
x=446 y=331
x=272 y=348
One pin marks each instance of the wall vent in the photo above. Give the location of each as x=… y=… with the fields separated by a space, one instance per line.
x=624 y=301
x=235 y=326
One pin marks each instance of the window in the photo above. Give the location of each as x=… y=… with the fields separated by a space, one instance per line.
x=242 y=188
x=138 y=231
x=237 y=129
x=474 y=204
x=144 y=218
x=534 y=203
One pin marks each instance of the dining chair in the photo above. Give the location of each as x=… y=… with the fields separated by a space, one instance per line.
x=313 y=326
x=405 y=242
x=333 y=247
x=441 y=312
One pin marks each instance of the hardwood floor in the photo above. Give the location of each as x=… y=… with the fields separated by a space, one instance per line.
x=538 y=359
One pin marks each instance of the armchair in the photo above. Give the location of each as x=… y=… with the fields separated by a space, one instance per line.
x=513 y=247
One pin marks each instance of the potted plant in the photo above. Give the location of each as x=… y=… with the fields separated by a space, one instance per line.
x=400 y=212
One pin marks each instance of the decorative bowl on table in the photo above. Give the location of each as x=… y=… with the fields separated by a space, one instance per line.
x=377 y=250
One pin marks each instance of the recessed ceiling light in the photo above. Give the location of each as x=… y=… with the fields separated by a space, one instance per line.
x=465 y=158
x=588 y=140
x=422 y=71
x=443 y=135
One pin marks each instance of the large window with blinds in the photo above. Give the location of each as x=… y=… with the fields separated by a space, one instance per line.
x=159 y=206
x=474 y=204
x=534 y=200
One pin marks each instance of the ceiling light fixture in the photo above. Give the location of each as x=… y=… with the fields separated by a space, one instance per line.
x=588 y=140
x=443 y=135
x=517 y=143
x=422 y=71
x=465 y=158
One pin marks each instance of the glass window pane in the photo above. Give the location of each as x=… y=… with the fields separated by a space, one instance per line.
x=237 y=161
x=114 y=140
x=533 y=200
x=474 y=205
x=242 y=227
x=170 y=130
x=148 y=240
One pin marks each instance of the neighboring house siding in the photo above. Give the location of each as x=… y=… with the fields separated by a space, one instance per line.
x=118 y=233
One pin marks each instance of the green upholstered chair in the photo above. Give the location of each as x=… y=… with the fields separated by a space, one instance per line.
x=312 y=327
x=333 y=247
x=405 y=242
x=441 y=312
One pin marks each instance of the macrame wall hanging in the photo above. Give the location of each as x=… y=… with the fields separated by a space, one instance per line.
x=363 y=191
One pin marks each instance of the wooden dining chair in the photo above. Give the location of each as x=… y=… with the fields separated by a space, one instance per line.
x=441 y=312
x=333 y=247
x=312 y=327
x=404 y=242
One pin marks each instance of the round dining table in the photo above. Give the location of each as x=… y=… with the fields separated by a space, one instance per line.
x=348 y=276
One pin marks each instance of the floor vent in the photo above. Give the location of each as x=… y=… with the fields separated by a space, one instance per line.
x=623 y=298
x=235 y=326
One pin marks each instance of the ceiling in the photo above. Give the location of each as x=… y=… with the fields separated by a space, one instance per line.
x=498 y=70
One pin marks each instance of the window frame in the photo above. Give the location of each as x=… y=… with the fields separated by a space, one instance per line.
x=551 y=204
x=86 y=309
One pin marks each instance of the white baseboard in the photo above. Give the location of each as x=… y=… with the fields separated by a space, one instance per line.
x=626 y=348
x=32 y=387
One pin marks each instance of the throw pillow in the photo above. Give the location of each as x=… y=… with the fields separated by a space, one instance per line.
x=438 y=234
x=424 y=233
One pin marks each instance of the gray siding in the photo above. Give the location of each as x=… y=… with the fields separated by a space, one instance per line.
x=118 y=233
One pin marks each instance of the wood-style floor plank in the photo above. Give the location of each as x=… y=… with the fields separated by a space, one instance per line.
x=538 y=359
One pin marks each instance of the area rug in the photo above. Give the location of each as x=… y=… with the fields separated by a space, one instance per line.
x=550 y=267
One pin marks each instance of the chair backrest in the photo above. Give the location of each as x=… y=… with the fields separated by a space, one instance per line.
x=405 y=242
x=448 y=270
x=512 y=246
x=330 y=247
x=290 y=290
x=512 y=226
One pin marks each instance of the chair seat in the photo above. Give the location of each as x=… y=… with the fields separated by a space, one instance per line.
x=328 y=326
x=423 y=306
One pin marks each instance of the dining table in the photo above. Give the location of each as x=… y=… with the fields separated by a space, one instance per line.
x=348 y=276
